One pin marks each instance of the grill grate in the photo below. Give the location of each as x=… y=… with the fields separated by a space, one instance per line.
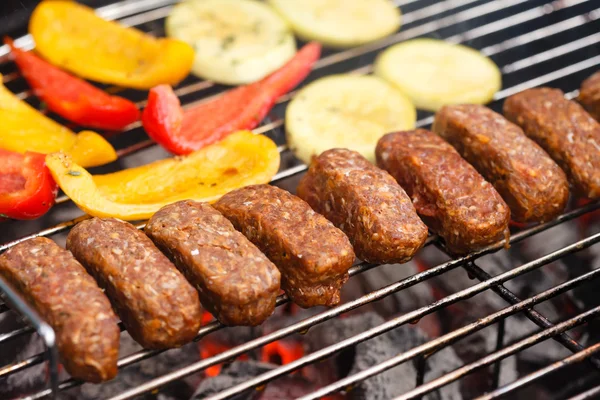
x=535 y=42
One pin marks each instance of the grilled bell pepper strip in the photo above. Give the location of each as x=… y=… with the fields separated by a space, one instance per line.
x=71 y=36
x=23 y=128
x=136 y=193
x=73 y=98
x=27 y=190
x=241 y=108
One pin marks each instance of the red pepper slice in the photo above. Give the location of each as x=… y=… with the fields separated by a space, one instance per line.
x=71 y=97
x=27 y=189
x=237 y=109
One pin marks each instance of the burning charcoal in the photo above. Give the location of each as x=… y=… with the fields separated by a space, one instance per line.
x=286 y=388
x=395 y=381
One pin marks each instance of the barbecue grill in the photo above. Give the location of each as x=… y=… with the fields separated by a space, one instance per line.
x=535 y=42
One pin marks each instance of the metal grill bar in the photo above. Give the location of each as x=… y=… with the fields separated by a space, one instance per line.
x=532 y=315
x=42 y=328
x=588 y=394
x=16 y=333
x=508 y=351
x=528 y=379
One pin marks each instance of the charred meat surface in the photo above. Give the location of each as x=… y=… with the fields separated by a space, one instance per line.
x=366 y=203
x=70 y=301
x=589 y=95
x=448 y=193
x=159 y=308
x=565 y=130
x=533 y=186
x=312 y=255
x=237 y=283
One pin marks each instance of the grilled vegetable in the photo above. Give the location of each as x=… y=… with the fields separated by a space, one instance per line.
x=27 y=189
x=236 y=41
x=137 y=193
x=347 y=111
x=71 y=36
x=434 y=73
x=240 y=108
x=340 y=23
x=73 y=98
x=23 y=129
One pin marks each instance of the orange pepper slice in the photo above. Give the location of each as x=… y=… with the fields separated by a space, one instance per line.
x=241 y=159
x=73 y=37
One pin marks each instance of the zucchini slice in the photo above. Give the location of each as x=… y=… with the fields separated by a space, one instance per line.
x=347 y=111
x=433 y=73
x=340 y=23
x=235 y=41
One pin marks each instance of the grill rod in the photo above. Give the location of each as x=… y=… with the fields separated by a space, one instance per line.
x=564 y=338
x=43 y=329
x=528 y=379
x=507 y=351
x=426 y=348
x=589 y=394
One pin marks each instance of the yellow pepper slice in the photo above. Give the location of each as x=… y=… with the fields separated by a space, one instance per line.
x=241 y=159
x=23 y=128
x=74 y=38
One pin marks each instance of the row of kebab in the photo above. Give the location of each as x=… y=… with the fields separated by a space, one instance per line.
x=219 y=237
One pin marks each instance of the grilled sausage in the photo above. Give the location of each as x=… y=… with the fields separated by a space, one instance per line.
x=312 y=255
x=448 y=193
x=589 y=95
x=159 y=308
x=561 y=127
x=533 y=186
x=70 y=301
x=366 y=203
x=236 y=282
